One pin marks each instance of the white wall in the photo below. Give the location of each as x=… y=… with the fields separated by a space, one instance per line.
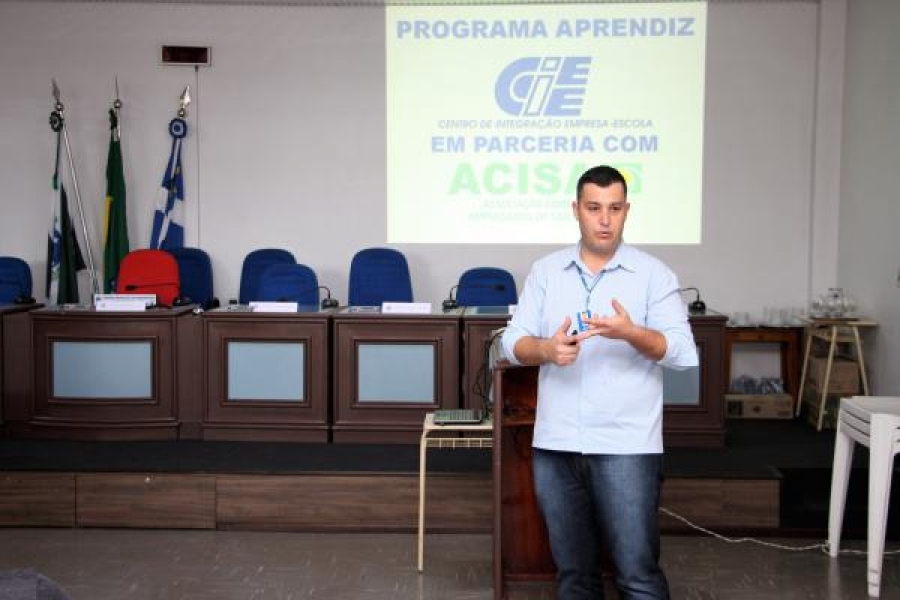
x=287 y=142
x=869 y=264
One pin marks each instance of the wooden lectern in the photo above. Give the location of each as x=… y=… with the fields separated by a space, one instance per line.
x=521 y=550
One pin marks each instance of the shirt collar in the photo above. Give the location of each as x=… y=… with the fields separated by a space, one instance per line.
x=624 y=258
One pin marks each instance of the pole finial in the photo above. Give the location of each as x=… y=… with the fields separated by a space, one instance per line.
x=56 y=115
x=58 y=105
x=117 y=103
x=184 y=100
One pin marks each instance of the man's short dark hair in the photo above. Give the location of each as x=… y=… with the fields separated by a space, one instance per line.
x=603 y=176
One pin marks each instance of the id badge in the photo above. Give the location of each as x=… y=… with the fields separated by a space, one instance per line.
x=585 y=314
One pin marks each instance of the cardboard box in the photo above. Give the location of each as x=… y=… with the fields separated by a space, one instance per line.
x=810 y=408
x=844 y=375
x=759 y=406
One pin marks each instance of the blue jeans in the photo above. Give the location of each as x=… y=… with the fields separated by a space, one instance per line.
x=608 y=499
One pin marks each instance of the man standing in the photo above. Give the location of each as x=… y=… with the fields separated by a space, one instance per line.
x=601 y=319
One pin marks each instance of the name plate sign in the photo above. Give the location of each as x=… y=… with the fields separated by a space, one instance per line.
x=273 y=307
x=123 y=302
x=406 y=308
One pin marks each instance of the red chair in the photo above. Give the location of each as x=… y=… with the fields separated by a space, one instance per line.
x=150 y=272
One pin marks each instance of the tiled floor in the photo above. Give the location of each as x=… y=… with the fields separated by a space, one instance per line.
x=100 y=564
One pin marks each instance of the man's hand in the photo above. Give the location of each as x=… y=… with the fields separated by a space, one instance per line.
x=562 y=349
x=648 y=342
x=618 y=326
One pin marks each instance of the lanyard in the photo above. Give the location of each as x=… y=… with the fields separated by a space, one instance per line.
x=588 y=288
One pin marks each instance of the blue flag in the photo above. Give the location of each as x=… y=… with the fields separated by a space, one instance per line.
x=168 y=220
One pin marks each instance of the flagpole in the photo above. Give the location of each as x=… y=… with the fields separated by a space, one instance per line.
x=87 y=238
x=117 y=104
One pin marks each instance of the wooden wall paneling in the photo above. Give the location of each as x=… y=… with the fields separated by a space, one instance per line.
x=37 y=499
x=456 y=502
x=353 y=502
x=149 y=501
x=723 y=503
x=699 y=500
x=751 y=504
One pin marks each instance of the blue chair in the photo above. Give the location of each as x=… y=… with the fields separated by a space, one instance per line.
x=195 y=271
x=379 y=275
x=486 y=286
x=289 y=283
x=254 y=264
x=15 y=281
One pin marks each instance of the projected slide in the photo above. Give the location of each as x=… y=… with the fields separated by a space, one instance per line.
x=495 y=111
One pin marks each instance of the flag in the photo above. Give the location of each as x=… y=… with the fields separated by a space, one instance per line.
x=168 y=220
x=115 y=239
x=64 y=258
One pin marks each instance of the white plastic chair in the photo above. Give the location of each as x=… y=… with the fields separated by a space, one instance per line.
x=873 y=421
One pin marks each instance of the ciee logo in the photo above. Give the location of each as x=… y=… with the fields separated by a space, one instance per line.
x=551 y=86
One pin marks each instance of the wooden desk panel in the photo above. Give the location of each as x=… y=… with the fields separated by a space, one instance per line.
x=40 y=414
x=391 y=422
x=15 y=364
x=266 y=420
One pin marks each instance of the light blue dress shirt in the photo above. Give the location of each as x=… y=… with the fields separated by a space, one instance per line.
x=610 y=401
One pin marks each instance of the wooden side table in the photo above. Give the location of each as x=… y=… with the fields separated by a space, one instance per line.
x=788 y=339
x=833 y=331
x=428 y=440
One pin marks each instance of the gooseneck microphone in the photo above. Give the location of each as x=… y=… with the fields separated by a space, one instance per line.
x=698 y=305
x=450 y=302
x=328 y=301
